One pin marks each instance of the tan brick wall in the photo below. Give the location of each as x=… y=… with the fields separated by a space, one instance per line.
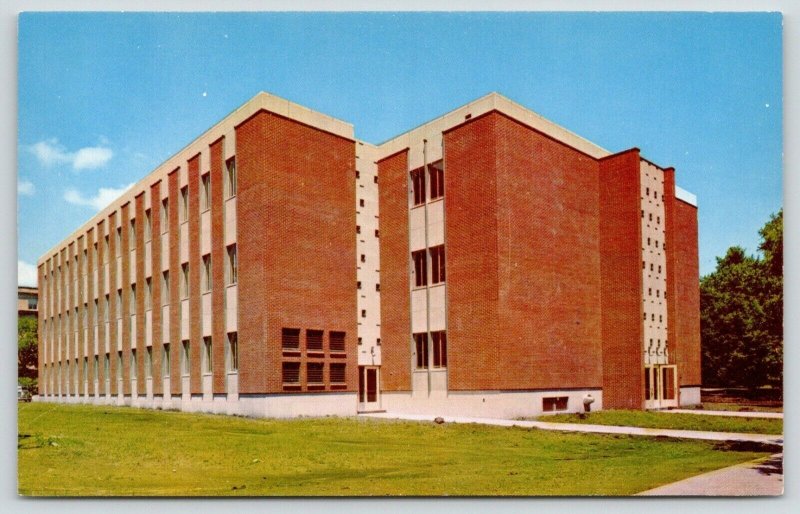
x=155 y=266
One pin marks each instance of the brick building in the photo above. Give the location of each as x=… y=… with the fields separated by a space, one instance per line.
x=488 y=262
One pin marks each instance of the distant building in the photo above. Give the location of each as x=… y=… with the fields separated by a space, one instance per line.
x=27 y=301
x=488 y=262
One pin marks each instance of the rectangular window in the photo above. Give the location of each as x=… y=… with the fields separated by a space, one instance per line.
x=336 y=341
x=290 y=372
x=165 y=288
x=185 y=280
x=420 y=268
x=132 y=303
x=290 y=338
x=165 y=361
x=232 y=269
x=148 y=225
x=437 y=264
x=314 y=340
x=164 y=215
x=96 y=368
x=207 y=364
x=148 y=294
x=185 y=364
x=233 y=351
x=338 y=373
x=86 y=369
x=148 y=362
x=555 y=403
x=95 y=317
x=421 y=343
x=436 y=171
x=184 y=204
x=119 y=241
x=230 y=181
x=205 y=192
x=105 y=248
x=119 y=365
x=132 y=235
x=106 y=366
x=207 y=273
x=314 y=372
x=133 y=364
x=418 y=185
x=439 y=340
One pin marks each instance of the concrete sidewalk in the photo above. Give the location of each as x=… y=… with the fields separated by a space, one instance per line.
x=597 y=429
x=763 y=477
x=735 y=414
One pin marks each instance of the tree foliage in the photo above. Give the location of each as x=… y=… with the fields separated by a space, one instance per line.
x=27 y=347
x=741 y=314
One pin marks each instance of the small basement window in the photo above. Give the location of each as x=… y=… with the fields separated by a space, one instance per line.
x=314 y=340
x=290 y=338
x=290 y=372
x=554 y=403
x=336 y=341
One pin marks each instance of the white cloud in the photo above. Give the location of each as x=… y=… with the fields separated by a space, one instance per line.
x=50 y=153
x=25 y=188
x=26 y=274
x=92 y=157
x=104 y=196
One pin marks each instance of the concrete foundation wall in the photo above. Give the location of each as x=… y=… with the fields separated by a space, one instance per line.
x=487 y=404
x=261 y=406
x=690 y=396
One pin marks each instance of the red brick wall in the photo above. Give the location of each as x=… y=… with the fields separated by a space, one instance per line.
x=155 y=267
x=296 y=243
x=195 y=271
x=621 y=277
x=687 y=295
x=174 y=282
x=394 y=252
x=101 y=329
x=669 y=254
x=113 y=313
x=218 y=263
x=141 y=292
x=548 y=261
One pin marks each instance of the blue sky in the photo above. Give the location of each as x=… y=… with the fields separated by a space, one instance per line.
x=105 y=98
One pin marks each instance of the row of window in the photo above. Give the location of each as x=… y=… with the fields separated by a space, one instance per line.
x=420 y=260
x=644 y=266
x=653 y=317
x=231 y=361
x=315 y=373
x=658 y=292
x=649 y=241
x=230 y=188
x=647 y=193
x=436 y=174
x=374 y=178
x=290 y=340
x=231 y=276
x=377 y=232
x=437 y=358
x=650 y=217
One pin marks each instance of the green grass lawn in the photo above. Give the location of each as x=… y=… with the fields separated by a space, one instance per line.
x=739 y=407
x=675 y=421
x=70 y=450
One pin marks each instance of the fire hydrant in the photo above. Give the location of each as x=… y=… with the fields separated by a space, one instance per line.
x=588 y=400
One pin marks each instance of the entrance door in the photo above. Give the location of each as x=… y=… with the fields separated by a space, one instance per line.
x=661 y=386
x=368 y=390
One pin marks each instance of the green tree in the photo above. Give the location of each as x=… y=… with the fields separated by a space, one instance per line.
x=27 y=351
x=741 y=314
